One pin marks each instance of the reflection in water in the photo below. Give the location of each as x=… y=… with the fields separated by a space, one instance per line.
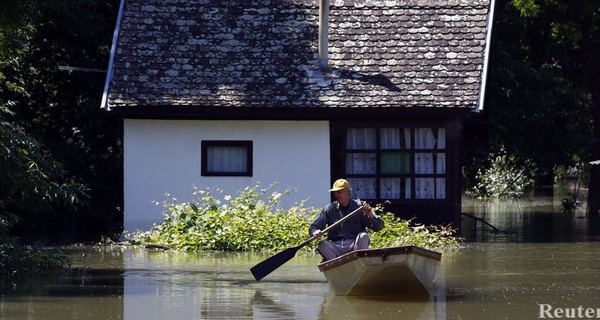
x=93 y=292
x=342 y=308
x=494 y=280
x=512 y=280
x=263 y=304
x=507 y=278
x=521 y=221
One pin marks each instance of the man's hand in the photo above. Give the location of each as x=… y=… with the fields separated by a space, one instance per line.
x=367 y=210
x=317 y=233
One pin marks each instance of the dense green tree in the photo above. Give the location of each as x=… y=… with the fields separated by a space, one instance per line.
x=60 y=109
x=542 y=96
x=565 y=35
x=32 y=182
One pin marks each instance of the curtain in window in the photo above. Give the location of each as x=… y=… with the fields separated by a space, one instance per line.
x=390 y=188
x=395 y=188
x=390 y=138
x=424 y=188
x=363 y=188
x=441 y=140
x=440 y=163
x=408 y=163
x=393 y=138
x=440 y=188
x=424 y=138
x=361 y=163
x=407 y=139
x=361 y=139
x=423 y=163
x=226 y=159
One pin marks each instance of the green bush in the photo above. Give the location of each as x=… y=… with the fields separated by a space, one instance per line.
x=504 y=177
x=255 y=220
x=251 y=221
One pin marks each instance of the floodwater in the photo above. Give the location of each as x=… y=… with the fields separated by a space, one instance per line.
x=538 y=265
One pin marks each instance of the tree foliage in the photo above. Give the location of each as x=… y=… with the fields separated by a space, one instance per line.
x=34 y=182
x=60 y=110
x=542 y=84
x=502 y=176
x=534 y=95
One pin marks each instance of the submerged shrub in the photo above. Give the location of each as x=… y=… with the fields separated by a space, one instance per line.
x=255 y=220
x=248 y=222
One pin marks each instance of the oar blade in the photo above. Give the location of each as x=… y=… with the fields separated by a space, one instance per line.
x=269 y=265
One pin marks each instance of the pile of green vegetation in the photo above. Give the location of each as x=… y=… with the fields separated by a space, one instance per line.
x=400 y=232
x=256 y=221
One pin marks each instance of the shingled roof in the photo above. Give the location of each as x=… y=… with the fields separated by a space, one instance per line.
x=263 y=53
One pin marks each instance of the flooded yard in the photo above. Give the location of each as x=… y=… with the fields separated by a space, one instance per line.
x=538 y=265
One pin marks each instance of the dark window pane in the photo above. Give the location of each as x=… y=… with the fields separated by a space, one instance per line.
x=395 y=162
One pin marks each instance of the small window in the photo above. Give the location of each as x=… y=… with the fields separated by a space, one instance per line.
x=227 y=158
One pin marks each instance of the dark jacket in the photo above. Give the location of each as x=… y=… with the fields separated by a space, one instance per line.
x=350 y=228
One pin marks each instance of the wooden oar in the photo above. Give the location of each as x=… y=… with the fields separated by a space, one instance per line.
x=269 y=265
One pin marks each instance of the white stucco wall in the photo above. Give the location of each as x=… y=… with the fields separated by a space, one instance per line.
x=163 y=157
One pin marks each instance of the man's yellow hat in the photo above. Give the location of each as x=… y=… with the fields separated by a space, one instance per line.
x=340 y=184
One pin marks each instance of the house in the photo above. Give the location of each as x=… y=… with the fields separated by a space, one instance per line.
x=229 y=93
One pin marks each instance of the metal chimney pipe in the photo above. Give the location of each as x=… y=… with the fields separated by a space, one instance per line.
x=323 y=63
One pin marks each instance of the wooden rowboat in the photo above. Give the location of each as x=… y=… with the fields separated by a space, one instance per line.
x=397 y=270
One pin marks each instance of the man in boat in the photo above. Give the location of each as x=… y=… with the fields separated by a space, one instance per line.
x=351 y=234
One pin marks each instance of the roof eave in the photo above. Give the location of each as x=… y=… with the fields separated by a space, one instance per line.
x=486 y=57
x=109 y=72
x=285 y=113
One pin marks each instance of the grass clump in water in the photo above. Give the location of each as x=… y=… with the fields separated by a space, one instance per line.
x=255 y=220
